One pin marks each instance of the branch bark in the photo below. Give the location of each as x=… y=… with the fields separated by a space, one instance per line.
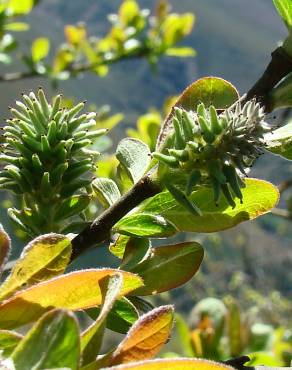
x=100 y=229
x=279 y=67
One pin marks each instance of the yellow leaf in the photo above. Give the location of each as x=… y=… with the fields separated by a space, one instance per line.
x=173 y=364
x=146 y=336
x=128 y=11
x=75 y=34
x=43 y=258
x=40 y=49
x=74 y=291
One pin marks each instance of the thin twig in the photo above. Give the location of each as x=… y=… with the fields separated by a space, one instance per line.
x=75 y=68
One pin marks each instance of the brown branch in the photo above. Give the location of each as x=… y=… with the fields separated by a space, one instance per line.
x=279 y=67
x=100 y=229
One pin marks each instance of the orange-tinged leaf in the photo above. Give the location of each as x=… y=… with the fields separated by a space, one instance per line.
x=173 y=364
x=43 y=258
x=146 y=336
x=4 y=248
x=74 y=291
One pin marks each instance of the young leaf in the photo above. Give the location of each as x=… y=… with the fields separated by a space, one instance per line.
x=146 y=336
x=52 y=343
x=118 y=247
x=4 y=248
x=92 y=337
x=40 y=49
x=43 y=258
x=214 y=218
x=168 y=267
x=106 y=190
x=208 y=90
x=284 y=8
x=173 y=364
x=73 y=291
x=8 y=341
x=145 y=225
x=134 y=156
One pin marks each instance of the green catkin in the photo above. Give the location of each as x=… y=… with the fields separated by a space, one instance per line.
x=55 y=107
x=183 y=199
x=169 y=160
x=212 y=148
x=43 y=102
x=179 y=140
x=193 y=180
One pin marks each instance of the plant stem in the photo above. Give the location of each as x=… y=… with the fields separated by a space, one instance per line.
x=77 y=67
x=279 y=67
x=100 y=229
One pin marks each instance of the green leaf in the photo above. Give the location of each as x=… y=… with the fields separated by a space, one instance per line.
x=208 y=90
x=280 y=141
x=43 y=258
x=8 y=341
x=121 y=317
x=168 y=267
x=134 y=156
x=146 y=336
x=20 y=7
x=106 y=191
x=137 y=249
x=260 y=358
x=52 y=343
x=4 y=248
x=91 y=338
x=259 y=197
x=284 y=8
x=74 y=291
x=118 y=247
x=145 y=225
x=40 y=49
x=72 y=206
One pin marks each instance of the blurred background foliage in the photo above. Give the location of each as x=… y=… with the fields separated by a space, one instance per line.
x=127 y=60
